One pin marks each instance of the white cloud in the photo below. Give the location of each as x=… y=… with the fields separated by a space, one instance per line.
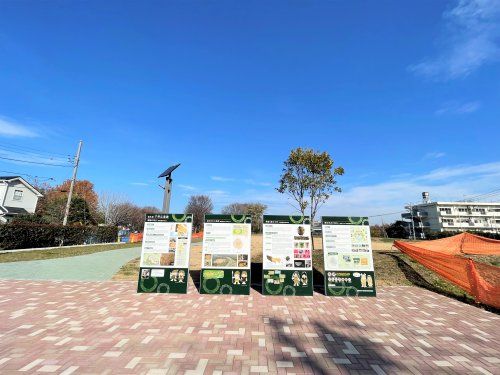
x=9 y=128
x=449 y=183
x=222 y=179
x=248 y=181
x=470 y=40
x=486 y=169
x=434 y=155
x=458 y=108
x=187 y=187
x=445 y=184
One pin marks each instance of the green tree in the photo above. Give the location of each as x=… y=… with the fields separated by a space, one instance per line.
x=309 y=178
x=397 y=230
x=80 y=212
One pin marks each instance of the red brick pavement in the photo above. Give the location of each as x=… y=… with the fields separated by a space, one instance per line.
x=105 y=327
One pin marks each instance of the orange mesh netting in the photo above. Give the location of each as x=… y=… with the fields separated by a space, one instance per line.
x=445 y=257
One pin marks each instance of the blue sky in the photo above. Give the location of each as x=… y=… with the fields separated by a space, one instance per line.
x=404 y=95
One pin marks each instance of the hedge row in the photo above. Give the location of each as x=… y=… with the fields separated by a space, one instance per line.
x=24 y=235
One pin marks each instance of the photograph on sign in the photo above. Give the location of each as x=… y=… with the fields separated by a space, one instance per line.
x=287 y=255
x=164 y=261
x=226 y=254
x=348 y=256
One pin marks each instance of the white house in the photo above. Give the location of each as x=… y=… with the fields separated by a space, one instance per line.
x=17 y=197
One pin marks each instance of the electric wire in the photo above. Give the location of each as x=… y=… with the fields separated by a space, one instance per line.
x=31 y=149
x=36 y=162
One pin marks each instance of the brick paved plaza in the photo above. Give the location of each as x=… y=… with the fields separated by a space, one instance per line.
x=105 y=327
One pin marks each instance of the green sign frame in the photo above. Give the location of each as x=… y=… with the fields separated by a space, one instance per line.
x=227 y=280
x=157 y=278
x=342 y=282
x=289 y=280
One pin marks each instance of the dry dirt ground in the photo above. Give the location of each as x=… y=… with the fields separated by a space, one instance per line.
x=392 y=268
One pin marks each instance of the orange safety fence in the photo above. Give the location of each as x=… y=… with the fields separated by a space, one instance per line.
x=445 y=257
x=135 y=237
x=197 y=235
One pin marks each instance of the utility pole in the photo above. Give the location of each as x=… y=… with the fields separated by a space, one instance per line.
x=73 y=179
x=412 y=222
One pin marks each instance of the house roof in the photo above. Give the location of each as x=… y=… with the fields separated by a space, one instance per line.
x=31 y=187
x=15 y=210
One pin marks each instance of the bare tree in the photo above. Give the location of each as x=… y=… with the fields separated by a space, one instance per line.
x=199 y=206
x=108 y=207
x=117 y=210
x=256 y=210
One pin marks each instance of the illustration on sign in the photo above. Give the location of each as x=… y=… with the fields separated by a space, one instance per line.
x=287 y=255
x=226 y=254
x=164 y=266
x=348 y=256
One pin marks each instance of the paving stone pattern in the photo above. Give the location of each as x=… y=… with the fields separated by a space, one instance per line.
x=106 y=328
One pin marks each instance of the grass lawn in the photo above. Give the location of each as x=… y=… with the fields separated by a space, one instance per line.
x=60 y=252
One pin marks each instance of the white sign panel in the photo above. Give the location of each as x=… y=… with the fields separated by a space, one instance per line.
x=227 y=241
x=166 y=242
x=347 y=247
x=286 y=243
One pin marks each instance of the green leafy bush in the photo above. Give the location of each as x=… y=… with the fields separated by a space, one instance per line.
x=23 y=235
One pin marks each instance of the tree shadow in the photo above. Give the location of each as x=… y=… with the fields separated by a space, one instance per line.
x=318 y=281
x=195 y=276
x=418 y=280
x=335 y=347
x=256 y=274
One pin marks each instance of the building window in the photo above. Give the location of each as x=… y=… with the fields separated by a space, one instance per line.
x=445 y=210
x=462 y=210
x=18 y=195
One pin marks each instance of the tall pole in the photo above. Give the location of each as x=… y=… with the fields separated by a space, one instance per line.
x=412 y=222
x=73 y=179
x=166 y=194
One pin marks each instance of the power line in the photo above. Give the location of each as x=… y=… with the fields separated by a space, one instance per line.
x=484 y=195
x=26 y=174
x=31 y=149
x=12 y=152
x=387 y=214
x=35 y=162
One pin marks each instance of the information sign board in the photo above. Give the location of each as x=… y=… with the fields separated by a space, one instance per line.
x=287 y=256
x=348 y=257
x=226 y=254
x=164 y=266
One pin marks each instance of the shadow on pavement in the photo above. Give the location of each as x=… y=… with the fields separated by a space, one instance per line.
x=195 y=276
x=318 y=281
x=318 y=363
x=416 y=279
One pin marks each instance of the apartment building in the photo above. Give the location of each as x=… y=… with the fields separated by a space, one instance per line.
x=452 y=216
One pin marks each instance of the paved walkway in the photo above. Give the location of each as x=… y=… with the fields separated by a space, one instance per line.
x=96 y=266
x=105 y=327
